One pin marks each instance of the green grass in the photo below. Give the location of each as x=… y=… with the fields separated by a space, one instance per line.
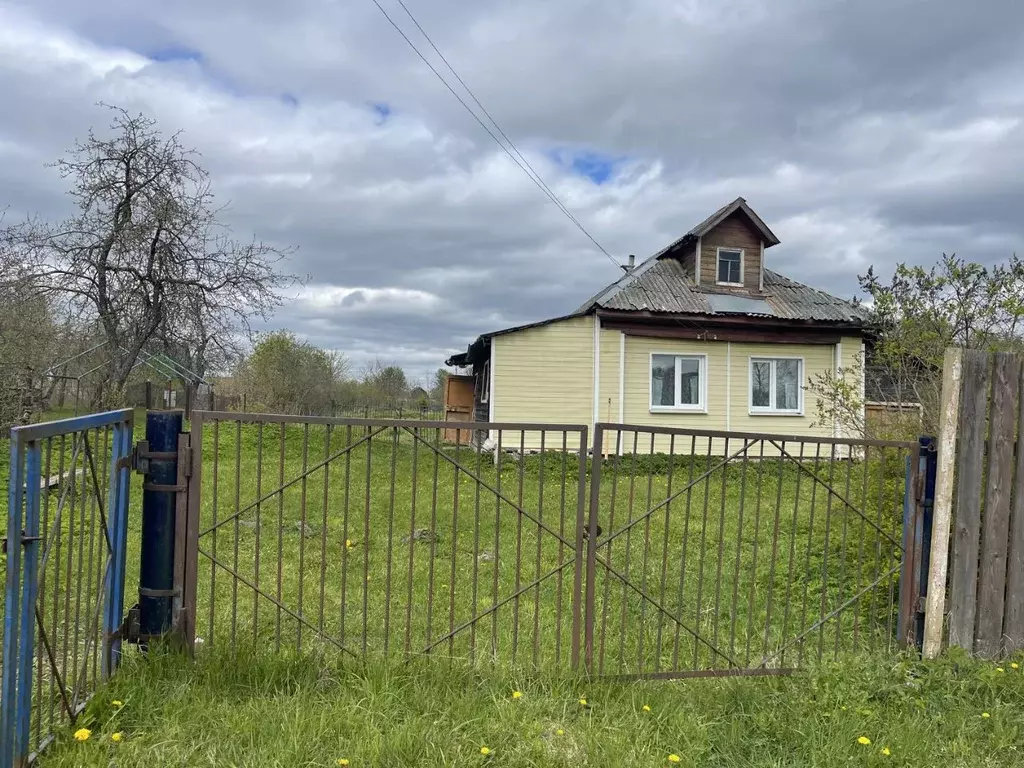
x=276 y=711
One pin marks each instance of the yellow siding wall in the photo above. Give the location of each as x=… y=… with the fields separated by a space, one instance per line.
x=608 y=394
x=544 y=375
x=638 y=393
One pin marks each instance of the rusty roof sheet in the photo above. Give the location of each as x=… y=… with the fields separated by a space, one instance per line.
x=664 y=286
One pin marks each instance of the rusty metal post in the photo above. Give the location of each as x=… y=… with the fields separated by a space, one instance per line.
x=591 y=551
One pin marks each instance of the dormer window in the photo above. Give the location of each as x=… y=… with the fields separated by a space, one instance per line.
x=730 y=266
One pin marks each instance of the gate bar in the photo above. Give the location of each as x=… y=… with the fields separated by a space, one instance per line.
x=8 y=711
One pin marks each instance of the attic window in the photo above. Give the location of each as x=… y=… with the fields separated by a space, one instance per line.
x=730 y=266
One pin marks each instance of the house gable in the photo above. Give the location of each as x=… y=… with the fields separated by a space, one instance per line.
x=736 y=232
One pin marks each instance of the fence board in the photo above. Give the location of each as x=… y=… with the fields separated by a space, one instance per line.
x=992 y=573
x=1013 y=621
x=963 y=589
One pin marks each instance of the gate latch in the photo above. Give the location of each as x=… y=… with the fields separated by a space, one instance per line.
x=24 y=540
x=138 y=460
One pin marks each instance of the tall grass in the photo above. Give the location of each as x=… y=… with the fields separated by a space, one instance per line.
x=275 y=710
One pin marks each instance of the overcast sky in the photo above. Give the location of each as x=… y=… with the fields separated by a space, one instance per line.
x=863 y=132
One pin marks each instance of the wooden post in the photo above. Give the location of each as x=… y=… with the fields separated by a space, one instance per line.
x=1013 y=621
x=963 y=593
x=995 y=533
x=935 y=605
x=149 y=395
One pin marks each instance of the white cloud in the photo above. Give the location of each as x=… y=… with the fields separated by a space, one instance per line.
x=858 y=142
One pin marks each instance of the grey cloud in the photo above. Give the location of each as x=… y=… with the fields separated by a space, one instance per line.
x=864 y=132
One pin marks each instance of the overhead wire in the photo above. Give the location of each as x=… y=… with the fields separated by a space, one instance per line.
x=521 y=161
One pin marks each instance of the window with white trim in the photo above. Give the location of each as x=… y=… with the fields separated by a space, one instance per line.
x=776 y=385
x=485 y=382
x=677 y=382
x=730 y=266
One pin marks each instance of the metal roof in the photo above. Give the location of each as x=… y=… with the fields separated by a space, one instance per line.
x=664 y=286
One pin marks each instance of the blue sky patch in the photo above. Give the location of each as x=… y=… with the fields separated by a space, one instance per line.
x=176 y=53
x=382 y=110
x=596 y=166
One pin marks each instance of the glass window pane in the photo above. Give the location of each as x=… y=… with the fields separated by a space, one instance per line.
x=787 y=386
x=729 y=266
x=760 y=383
x=690 y=373
x=663 y=380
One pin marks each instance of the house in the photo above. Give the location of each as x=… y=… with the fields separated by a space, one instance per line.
x=701 y=335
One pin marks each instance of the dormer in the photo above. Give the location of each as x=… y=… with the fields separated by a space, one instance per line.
x=725 y=252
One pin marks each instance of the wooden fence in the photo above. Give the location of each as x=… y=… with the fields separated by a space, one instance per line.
x=986 y=581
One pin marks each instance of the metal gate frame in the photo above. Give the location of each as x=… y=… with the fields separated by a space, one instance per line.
x=190 y=529
x=584 y=549
x=28 y=548
x=913 y=545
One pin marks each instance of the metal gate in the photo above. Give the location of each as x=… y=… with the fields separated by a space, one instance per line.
x=693 y=553
x=728 y=553
x=382 y=537
x=66 y=542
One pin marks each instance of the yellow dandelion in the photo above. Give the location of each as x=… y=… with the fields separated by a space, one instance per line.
x=985 y=714
x=342 y=761
x=583 y=702
x=645 y=708
x=116 y=737
x=82 y=734
x=485 y=751
x=1014 y=665
x=863 y=740
x=117 y=704
x=348 y=543
x=673 y=758
x=517 y=694
x=886 y=751
x=559 y=732
x=1000 y=669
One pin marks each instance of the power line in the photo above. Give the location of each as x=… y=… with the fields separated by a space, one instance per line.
x=531 y=173
x=494 y=122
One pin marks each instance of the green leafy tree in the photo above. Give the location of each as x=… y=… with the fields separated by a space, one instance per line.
x=286 y=375
x=914 y=317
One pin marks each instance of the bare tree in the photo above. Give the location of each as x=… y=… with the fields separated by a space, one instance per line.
x=145 y=256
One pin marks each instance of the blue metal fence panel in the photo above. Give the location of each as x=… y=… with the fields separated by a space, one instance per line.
x=24 y=728
x=12 y=598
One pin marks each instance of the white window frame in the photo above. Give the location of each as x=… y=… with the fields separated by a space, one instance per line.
x=702 y=391
x=485 y=385
x=718 y=260
x=771 y=410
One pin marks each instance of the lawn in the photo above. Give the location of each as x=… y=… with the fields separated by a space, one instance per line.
x=274 y=711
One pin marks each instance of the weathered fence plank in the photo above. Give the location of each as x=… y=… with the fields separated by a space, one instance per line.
x=996 y=528
x=1013 y=621
x=952 y=376
x=964 y=580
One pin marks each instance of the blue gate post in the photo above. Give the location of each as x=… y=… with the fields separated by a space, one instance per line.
x=12 y=593
x=156 y=568
x=929 y=458
x=117 y=524
x=918 y=508
x=30 y=590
